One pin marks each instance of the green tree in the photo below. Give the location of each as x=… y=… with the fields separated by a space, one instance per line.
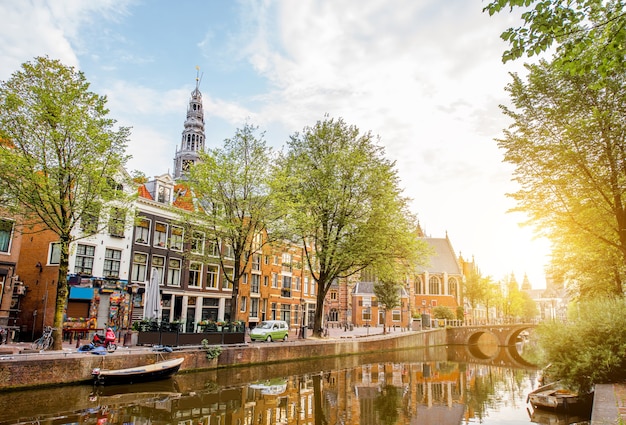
x=589 y=348
x=387 y=404
x=344 y=203
x=566 y=143
x=572 y=26
x=475 y=290
x=387 y=293
x=233 y=187
x=443 y=312
x=59 y=158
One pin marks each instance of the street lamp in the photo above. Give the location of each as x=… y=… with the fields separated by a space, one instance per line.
x=132 y=289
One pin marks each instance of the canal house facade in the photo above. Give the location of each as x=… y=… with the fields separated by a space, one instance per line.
x=109 y=270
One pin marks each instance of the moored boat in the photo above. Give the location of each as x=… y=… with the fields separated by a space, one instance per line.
x=145 y=373
x=557 y=398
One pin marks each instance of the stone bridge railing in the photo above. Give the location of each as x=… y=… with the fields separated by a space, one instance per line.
x=505 y=335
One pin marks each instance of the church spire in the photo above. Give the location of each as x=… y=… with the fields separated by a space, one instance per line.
x=192 y=142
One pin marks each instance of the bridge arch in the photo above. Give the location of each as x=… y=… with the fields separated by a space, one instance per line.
x=505 y=335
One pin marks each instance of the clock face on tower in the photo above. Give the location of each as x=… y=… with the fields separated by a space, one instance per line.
x=187 y=163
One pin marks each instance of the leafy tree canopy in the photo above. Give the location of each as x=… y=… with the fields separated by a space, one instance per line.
x=61 y=158
x=237 y=209
x=588 y=349
x=572 y=26
x=343 y=200
x=568 y=148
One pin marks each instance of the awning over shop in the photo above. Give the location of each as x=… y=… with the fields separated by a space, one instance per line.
x=78 y=293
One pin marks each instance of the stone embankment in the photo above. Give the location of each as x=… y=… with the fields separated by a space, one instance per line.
x=27 y=369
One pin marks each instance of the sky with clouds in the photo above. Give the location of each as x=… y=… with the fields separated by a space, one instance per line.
x=425 y=76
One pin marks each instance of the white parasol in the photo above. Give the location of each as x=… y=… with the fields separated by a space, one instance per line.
x=152 y=303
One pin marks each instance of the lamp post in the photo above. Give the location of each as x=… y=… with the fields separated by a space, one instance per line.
x=132 y=290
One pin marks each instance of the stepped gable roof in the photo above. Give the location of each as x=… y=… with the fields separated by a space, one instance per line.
x=443 y=259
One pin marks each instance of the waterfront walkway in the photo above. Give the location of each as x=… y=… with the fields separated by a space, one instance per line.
x=71 y=347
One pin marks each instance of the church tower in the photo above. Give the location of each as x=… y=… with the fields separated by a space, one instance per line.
x=192 y=142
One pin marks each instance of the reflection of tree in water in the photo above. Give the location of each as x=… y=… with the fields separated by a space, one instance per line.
x=481 y=395
x=387 y=404
x=320 y=416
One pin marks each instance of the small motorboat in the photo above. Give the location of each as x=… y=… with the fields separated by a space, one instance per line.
x=556 y=398
x=146 y=373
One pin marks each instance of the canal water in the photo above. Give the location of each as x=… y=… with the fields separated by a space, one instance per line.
x=438 y=386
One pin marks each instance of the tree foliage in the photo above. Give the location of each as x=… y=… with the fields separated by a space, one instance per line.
x=60 y=157
x=568 y=148
x=572 y=26
x=232 y=185
x=589 y=348
x=343 y=201
x=443 y=312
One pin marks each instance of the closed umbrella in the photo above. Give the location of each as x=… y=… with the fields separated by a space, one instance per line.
x=152 y=303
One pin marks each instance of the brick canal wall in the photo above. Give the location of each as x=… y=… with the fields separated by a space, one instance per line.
x=52 y=368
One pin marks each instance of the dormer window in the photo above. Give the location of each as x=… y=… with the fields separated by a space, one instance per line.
x=163 y=194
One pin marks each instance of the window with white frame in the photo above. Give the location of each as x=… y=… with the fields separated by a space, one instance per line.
x=160 y=234
x=257 y=242
x=285 y=313
x=197 y=243
x=255 y=287
x=195 y=276
x=229 y=272
x=163 y=194
x=297 y=282
x=396 y=316
x=173 y=271
x=274 y=280
x=243 y=304
x=229 y=252
x=286 y=283
x=55 y=253
x=142 y=231
x=158 y=263
x=254 y=307
x=214 y=249
x=305 y=288
x=176 y=241
x=90 y=218
x=84 y=259
x=366 y=314
x=212 y=276
x=256 y=262
x=6 y=234
x=112 y=261
x=140 y=264
x=286 y=260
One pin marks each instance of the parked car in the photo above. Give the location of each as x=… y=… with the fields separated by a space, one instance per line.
x=270 y=330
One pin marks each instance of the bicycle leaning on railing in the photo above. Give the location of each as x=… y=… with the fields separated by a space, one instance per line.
x=45 y=341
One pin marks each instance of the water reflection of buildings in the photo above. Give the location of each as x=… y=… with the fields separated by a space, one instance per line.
x=443 y=393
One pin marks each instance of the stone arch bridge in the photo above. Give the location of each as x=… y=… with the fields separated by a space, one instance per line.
x=505 y=335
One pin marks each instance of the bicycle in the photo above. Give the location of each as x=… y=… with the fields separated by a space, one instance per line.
x=45 y=341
